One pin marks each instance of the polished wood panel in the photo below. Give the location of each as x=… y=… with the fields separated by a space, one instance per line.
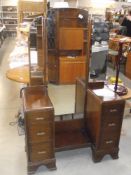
x=19 y=74
x=70 y=68
x=41 y=151
x=71 y=39
x=40 y=132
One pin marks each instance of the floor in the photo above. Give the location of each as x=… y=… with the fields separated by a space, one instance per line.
x=73 y=162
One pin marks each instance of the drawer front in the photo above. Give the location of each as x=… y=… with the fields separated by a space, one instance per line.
x=38 y=117
x=112 y=111
x=112 y=123
x=40 y=133
x=39 y=152
x=109 y=140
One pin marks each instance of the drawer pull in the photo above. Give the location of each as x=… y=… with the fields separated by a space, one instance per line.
x=40 y=118
x=109 y=142
x=113 y=110
x=40 y=133
x=111 y=124
x=42 y=152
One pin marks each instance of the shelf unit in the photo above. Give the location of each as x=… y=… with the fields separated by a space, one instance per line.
x=9 y=18
x=27 y=10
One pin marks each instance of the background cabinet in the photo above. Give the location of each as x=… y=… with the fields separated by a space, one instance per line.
x=9 y=19
x=27 y=10
x=128 y=66
x=67 y=44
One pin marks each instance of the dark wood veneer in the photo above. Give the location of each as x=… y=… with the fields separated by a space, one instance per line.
x=99 y=129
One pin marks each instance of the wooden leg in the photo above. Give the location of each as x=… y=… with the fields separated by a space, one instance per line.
x=51 y=166
x=114 y=155
x=97 y=156
x=32 y=168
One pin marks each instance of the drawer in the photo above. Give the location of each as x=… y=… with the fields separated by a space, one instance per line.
x=41 y=132
x=112 y=123
x=39 y=152
x=109 y=140
x=113 y=110
x=34 y=117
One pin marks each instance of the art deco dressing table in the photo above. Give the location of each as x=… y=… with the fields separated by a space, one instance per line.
x=100 y=126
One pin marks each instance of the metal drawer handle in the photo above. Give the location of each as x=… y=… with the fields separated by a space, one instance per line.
x=111 y=124
x=40 y=133
x=113 y=110
x=109 y=142
x=42 y=152
x=40 y=118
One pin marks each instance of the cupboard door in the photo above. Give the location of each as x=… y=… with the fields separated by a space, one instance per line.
x=71 y=39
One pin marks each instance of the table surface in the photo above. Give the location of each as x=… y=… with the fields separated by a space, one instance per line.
x=19 y=74
x=128 y=95
x=120 y=38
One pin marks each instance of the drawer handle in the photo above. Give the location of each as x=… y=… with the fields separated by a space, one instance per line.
x=109 y=142
x=42 y=152
x=40 y=133
x=40 y=118
x=111 y=124
x=113 y=110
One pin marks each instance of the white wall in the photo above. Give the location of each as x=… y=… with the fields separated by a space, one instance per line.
x=99 y=6
x=53 y=1
x=9 y=2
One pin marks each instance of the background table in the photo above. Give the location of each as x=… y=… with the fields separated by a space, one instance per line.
x=19 y=74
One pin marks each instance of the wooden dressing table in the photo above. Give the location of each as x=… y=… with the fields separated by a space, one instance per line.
x=99 y=128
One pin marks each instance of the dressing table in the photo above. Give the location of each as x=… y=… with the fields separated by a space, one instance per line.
x=99 y=128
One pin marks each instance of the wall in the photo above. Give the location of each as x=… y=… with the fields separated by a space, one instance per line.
x=99 y=6
x=9 y=2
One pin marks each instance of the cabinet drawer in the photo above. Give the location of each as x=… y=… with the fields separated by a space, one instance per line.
x=41 y=132
x=39 y=152
x=38 y=117
x=112 y=123
x=111 y=110
x=109 y=140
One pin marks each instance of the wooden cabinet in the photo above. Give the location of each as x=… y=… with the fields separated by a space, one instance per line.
x=104 y=114
x=67 y=38
x=39 y=128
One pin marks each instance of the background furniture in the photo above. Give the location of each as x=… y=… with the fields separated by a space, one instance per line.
x=67 y=43
x=28 y=9
x=19 y=74
x=2 y=33
x=128 y=66
x=9 y=18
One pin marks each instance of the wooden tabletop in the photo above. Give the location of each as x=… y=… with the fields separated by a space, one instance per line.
x=128 y=95
x=19 y=74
